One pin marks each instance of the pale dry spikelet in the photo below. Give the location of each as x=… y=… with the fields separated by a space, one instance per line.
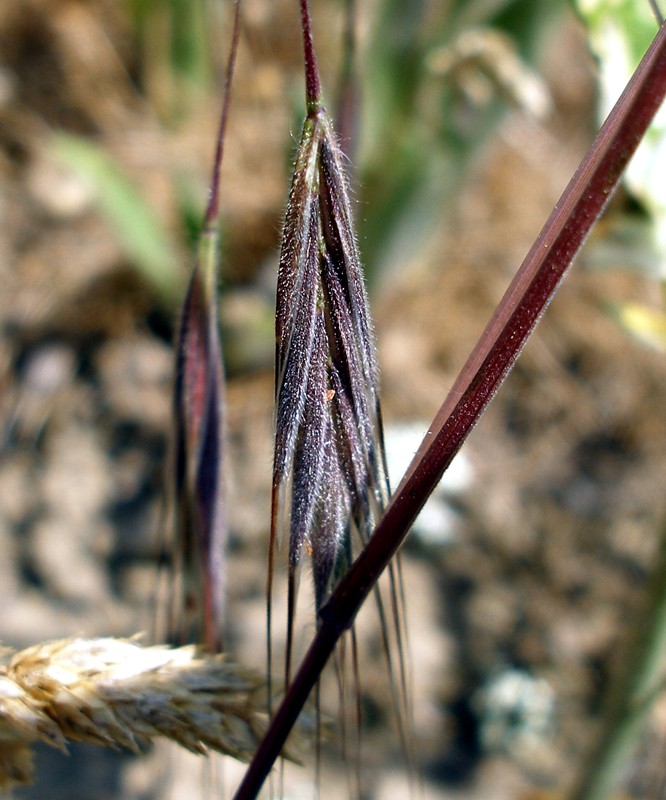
x=116 y=693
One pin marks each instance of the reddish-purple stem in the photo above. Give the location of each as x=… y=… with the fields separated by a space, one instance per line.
x=214 y=191
x=312 y=82
x=528 y=295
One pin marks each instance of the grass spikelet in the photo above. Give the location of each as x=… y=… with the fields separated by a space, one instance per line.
x=198 y=430
x=330 y=482
x=115 y=693
x=329 y=467
x=198 y=456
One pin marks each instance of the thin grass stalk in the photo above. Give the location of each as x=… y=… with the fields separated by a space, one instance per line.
x=632 y=693
x=500 y=344
x=657 y=12
x=198 y=411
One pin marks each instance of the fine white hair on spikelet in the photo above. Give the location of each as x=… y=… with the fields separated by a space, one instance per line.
x=116 y=693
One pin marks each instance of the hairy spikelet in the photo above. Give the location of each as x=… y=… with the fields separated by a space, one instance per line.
x=330 y=482
x=115 y=693
x=329 y=472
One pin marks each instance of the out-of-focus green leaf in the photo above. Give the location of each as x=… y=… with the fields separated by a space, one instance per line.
x=421 y=128
x=175 y=39
x=620 y=31
x=144 y=240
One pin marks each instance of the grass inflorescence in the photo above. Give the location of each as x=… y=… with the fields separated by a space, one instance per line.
x=330 y=481
x=116 y=693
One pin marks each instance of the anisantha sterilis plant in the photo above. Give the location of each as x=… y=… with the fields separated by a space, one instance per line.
x=198 y=425
x=113 y=692
x=491 y=360
x=330 y=482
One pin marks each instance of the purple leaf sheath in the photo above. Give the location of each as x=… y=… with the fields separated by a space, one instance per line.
x=198 y=446
x=198 y=414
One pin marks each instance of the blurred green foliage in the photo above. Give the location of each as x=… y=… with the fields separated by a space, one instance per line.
x=175 y=40
x=433 y=81
x=620 y=31
x=119 y=200
x=421 y=125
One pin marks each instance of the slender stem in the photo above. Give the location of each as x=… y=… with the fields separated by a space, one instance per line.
x=312 y=81
x=533 y=287
x=632 y=693
x=214 y=191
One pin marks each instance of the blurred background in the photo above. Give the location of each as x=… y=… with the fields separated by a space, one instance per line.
x=464 y=122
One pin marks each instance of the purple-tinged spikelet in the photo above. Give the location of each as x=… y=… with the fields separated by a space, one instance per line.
x=198 y=430
x=330 y=483
x=198 y=456
x=329 y=476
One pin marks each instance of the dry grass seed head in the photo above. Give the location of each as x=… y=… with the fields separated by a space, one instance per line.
x=116 y=693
